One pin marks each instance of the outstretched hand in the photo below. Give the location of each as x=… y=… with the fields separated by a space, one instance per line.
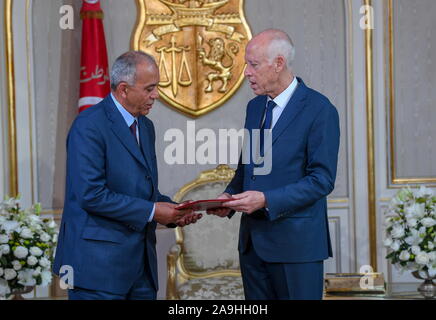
x=166 y=213
x=221 y=212
x=248 y=201
x=189 y=218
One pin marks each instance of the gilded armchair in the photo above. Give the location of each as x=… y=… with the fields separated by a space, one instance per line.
x=204 y=262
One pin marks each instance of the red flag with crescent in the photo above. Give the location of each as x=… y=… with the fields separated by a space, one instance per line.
x=94 y=71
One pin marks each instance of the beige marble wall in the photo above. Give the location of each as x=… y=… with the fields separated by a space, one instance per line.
x=414 y=118
x=56 y=73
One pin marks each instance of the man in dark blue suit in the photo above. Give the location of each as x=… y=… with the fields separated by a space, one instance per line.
x=112 y=202
x=284 y=236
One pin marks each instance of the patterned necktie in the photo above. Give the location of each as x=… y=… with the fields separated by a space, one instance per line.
x=133 y=130
x=266 y=124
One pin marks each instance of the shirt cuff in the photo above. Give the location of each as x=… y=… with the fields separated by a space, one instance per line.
x=152 y=213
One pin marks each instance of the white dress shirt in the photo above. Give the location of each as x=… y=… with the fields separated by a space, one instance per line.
x=282 y=100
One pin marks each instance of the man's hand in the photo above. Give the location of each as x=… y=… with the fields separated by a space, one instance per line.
x=166 y=213
x=248 y=201
x=221 y=212
x=188 y=219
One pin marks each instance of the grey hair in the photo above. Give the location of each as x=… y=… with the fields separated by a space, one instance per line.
x=124 y=67
x=281 y=44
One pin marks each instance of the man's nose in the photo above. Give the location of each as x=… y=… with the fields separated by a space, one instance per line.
x=247 y=71
x=155 y=94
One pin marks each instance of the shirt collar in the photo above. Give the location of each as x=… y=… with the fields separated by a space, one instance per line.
x=126 y=114
x=283 y=98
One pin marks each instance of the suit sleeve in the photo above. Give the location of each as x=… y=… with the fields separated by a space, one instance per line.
x=237 y=184
x=86 y=166
x=160 y=197
x=322 y=158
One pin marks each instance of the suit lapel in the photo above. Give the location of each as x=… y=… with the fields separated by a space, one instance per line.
x=144 y=140
x=120 y=129
x=294 y=106
x=259 y=113
x=146 y=147
x=254 y=123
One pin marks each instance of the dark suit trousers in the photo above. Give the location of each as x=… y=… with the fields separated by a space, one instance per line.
x=280 y=281
x=142 y=289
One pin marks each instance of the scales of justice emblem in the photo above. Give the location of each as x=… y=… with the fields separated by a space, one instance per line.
x=199 y=46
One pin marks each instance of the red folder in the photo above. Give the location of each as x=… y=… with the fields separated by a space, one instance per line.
x=200 y=205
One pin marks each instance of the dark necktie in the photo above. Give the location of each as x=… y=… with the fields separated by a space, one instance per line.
x=266 y=124
x=133 y=130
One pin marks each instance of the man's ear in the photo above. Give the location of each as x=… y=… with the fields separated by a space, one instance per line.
x=122 y=89
x=280 y=63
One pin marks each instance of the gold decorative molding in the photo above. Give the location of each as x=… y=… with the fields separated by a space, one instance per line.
x=351 y=104
x=52 y=211
x=391 y=81
x=10 y=70
x=172 y=257
x=199 y=47
x=338 y=200
x=337 y=239
x=221 y=173
x=369 y=77
x=29 y=90
x=11 y=98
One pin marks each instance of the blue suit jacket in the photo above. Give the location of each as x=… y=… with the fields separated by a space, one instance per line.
x=305 y=143
x=111 y=186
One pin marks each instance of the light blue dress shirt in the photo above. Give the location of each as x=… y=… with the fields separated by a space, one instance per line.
x=129 y=121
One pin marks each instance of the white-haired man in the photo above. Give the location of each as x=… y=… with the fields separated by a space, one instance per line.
x=284 y=234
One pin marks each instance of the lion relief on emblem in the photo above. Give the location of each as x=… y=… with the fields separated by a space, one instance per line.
x=217 y=53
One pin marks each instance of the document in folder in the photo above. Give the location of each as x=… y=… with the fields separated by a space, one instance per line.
x=200 y=205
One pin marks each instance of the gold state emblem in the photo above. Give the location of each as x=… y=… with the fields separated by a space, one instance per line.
x=199 y=46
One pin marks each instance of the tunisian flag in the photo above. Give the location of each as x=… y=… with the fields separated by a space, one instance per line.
x=94 y=73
